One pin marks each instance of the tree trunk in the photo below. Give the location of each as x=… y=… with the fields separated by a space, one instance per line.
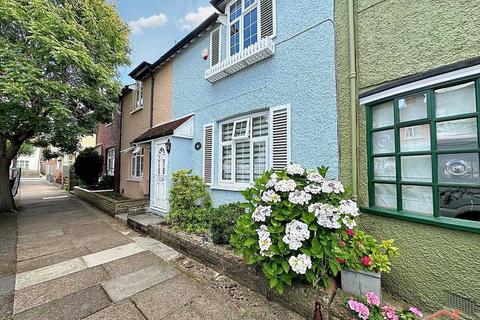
x=6 y=199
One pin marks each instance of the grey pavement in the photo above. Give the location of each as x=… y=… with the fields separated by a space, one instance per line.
x=62 y=259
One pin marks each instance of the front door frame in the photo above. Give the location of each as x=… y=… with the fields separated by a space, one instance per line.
x=155 y=207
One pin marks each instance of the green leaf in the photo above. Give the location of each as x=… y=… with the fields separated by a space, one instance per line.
x=250 y=241
x=285 y=266
x=280 y=287
x=273 y=282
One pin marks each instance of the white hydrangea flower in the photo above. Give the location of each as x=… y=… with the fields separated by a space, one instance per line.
x=333 y=186
x=270 y=196
x=273 y=180
x=300 y=263
x=299 y=197
x=327 y=215
x=294 y=169
x=264 y=240
x=296 y=232
x=285 y=185
x=261 y=212
x=349 y=207
x=349 y=222
x=313 y=189
x=314 y=176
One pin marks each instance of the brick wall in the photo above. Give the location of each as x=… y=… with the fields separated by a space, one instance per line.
x=108 y=136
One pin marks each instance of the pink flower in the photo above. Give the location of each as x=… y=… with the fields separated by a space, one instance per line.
x=389 y=313
x=341 y=260
x=373 y=299
x=416 y=312
x=366 y=261
x=350 y=232
x=360 y=308
x=353 y=304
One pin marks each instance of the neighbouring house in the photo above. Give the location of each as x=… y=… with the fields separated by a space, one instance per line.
x=416 y=68
x=108 y=146
x=252 y=88
x=30 y=164
x=144 y=105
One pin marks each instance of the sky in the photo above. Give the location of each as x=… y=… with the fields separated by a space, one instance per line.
x=156 y=25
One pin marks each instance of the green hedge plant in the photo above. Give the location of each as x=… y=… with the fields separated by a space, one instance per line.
x=223 y=220
x=190 y=202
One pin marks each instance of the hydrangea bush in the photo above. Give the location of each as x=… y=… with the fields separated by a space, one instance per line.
x=293 y=225
x=369 y=307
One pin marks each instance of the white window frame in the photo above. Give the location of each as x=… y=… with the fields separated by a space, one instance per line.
x=241 y=24
x=111 y=161
x=23 y=164
x=231 y=183
x=138 y=92
x=137 y=155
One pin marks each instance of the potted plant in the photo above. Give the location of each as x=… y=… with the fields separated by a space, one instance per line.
x=363 y=260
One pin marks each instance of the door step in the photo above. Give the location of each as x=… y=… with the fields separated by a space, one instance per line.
x=142 y=221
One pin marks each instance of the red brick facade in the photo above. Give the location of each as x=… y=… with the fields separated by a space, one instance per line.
x=108 y=136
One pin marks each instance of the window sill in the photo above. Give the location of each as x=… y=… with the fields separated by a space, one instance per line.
x=109 y=125
x=135 y=179
x=136 y=110
x=443 y=222
x=230 y=187
x=257 y=52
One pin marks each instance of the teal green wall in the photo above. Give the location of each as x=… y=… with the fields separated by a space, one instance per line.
x=397 y=38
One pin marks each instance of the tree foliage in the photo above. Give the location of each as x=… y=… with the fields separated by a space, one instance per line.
x=88 y=166
x=58 y=71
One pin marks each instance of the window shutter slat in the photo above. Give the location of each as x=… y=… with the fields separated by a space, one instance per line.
x=215 y=47
x=267 y=18
x=208 y=153
x=280 y=137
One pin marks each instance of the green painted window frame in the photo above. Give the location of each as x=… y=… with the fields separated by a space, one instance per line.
x=436 y=219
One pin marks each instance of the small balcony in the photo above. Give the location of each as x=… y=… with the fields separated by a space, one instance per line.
x=257 y=52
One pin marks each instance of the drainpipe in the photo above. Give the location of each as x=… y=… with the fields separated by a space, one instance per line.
x=120 y=120
x=353 y=96
x=152 y=88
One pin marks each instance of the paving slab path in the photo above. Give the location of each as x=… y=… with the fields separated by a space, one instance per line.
x=62 y=259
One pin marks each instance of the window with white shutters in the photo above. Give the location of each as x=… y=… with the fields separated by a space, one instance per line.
x=280 y=137
x=267 y=18
x=208 y=153
x=215 y=49
x=244 y=149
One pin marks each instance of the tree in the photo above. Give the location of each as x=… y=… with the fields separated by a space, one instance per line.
x=27 y=149
x=58 y=74
x=88 y=166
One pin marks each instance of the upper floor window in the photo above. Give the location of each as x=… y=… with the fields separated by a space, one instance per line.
x=137 y=163
x=424 y=152
x=111 y=161
x=139 y=95
x=243 y=24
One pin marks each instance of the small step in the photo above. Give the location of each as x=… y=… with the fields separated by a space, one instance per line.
x=142 y=221
x=122 y=217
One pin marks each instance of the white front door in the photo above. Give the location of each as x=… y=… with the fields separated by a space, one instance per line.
x=161 y=175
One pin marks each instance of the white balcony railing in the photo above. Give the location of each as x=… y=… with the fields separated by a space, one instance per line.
x=257 y=52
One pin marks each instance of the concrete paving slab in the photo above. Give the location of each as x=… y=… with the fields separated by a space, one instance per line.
x=51 y=259
x=208 y=307
x=46 y=242
x=75 y=306
x=130 y=284
x=30 y=253
x=131 y=264
x=45 y=292
x=116 y=253
x=39 y=236
x=7 y=283
x=103 y=245
x=87 y=228
x=124 y=310
x=167 y=297
x=6 y=305
x=161 y=250
x=33 y=277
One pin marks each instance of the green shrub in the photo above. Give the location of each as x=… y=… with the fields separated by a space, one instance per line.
x=190 y=202
x=105 y=182
x=88 y=166
x=223 y=220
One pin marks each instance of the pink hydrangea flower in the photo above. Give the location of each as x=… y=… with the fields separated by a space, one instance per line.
x=366 y=261
x=389 y=313
x=350 y=232
x=416 y=312
x=360 y=308
x=373 y=299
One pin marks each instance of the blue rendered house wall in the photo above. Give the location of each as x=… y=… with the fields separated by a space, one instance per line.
x=301 y=73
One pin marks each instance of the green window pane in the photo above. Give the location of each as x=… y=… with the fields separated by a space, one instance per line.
x=458 y=168
x=455 y=100
x=382 y=115
x=417 y=168
x=457 y=134
x=413 y=107
x=386 y=196
x=383 y=142
x=460 y=203
x=415 y=138
x=417 y=199
x=384 y=168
